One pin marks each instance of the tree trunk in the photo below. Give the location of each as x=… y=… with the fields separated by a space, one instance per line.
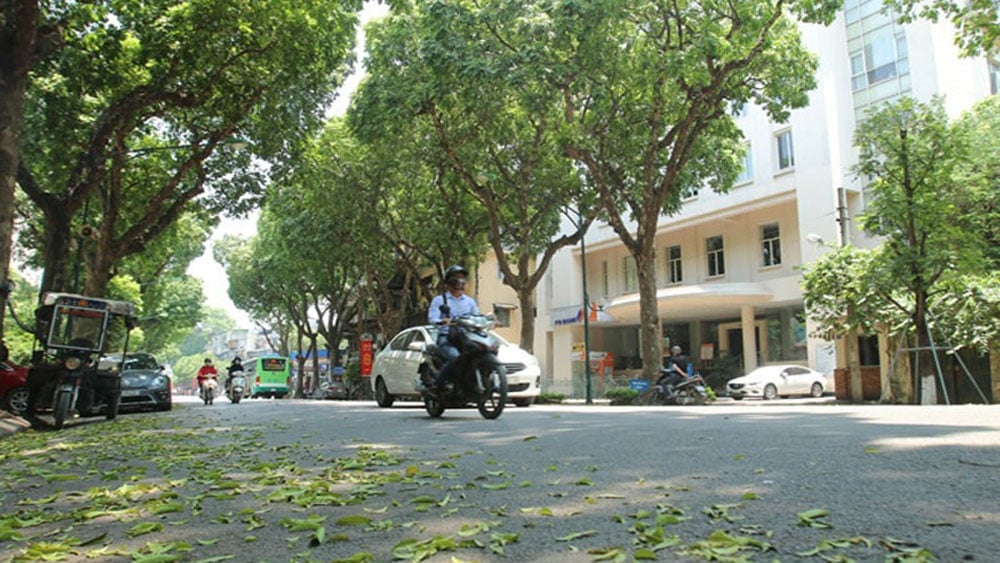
x=56 y=253
x=526 y=301
x=99 y=269
x=995 y=372
x=18 y=27
x=649 y=317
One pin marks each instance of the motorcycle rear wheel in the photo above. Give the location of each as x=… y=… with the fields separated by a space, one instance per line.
x=493 y=401
x=687 y=398
x=61 y=411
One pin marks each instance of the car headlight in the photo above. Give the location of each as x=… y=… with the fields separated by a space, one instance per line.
x=160 y=381
x=73 y=363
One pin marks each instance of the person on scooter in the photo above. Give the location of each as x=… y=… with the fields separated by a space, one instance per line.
x=676 y=367
x=450 y=304
x=235 y=366
x=206 y=371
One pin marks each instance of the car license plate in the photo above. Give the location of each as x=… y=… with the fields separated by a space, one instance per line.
x=131 y=393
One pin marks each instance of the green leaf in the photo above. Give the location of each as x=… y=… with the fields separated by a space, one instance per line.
x=355 y=520
x=577 y=535
x=144 y=528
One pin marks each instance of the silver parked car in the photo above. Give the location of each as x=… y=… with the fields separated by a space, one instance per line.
x=771 y=382
x=396 y=368
x=145 y=383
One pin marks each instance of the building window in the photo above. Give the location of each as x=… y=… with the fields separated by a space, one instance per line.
x=605 y=282
x=674 y=273
x=882 y=56
x=786 y=151
x=630 y=273
x=770 y=240
x=994 y=65
x=716 y=258
x=746 y=174
x=502 y=314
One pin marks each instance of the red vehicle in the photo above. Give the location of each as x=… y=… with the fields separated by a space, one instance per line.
x=13 y=387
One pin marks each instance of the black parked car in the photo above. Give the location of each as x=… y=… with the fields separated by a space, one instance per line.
x=145 y=382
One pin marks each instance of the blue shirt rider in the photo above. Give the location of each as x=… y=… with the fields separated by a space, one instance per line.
x=453 y=303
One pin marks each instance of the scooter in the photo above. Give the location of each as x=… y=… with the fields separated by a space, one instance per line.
x=690 y=391
x=480 y=378
x=236 y=386
x=208 y=390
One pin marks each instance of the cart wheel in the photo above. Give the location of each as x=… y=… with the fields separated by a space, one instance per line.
x=113 y=403
x=63 y=398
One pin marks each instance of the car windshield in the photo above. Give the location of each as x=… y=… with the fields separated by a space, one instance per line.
x=141 y=362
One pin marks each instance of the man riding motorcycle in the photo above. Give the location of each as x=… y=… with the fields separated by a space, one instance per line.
x=205 y=372
x=450 y=304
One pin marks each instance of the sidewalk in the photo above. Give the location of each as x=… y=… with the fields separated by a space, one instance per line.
x=10 y=424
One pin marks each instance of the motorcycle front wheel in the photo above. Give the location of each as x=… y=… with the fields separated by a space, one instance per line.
x=61 y=412
x=434 y=407
x=494 y=398
x=235 y=397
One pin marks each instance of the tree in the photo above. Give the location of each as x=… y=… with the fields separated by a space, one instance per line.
x=929 y=269
x=25 y=39
x=648 y=90
x=464 y=74
x=977 y=22
x=137 y=114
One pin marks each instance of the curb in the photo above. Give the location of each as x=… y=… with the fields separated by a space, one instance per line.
x=11 y=424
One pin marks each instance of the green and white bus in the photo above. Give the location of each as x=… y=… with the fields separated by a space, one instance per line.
x=269 y=376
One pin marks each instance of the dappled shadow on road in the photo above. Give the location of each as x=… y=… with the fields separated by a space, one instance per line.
x=564 y=480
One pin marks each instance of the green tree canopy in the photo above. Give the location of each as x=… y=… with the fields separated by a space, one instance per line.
x=138 y=113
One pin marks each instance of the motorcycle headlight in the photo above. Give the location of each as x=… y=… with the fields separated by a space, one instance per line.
x=73 y=363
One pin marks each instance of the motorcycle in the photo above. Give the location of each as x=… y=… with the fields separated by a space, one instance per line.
x=236 y=387
x=66 y=375
x=480 y=378
x=690 y=391
x=207 y=391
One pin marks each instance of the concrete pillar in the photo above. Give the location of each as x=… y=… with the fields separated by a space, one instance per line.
x=749 y=338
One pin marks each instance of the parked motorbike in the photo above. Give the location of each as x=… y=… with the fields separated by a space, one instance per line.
x=480 y=378
x=208 y=390
x=65 y=375
x=236 y=387
x=690 y=391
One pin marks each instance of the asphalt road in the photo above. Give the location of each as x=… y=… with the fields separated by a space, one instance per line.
x=327 y=480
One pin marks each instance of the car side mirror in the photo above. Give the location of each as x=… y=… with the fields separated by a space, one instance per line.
x=416 y=346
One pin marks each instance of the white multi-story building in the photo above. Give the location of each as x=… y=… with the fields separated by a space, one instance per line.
x=727 y=272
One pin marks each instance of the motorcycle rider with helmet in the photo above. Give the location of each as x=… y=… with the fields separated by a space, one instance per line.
x=676 y=368
x=206 y=371
x=235 y=366
x=450 y=304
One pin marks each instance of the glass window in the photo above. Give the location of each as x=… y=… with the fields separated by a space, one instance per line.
x=746 y=174
x=630 y=273
x=770 y=244
x=674 y=272
x=716 y=258
x=786 y=151
x=502 y=315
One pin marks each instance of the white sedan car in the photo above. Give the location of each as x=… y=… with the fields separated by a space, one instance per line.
x=770 y=382
x=396 y=368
